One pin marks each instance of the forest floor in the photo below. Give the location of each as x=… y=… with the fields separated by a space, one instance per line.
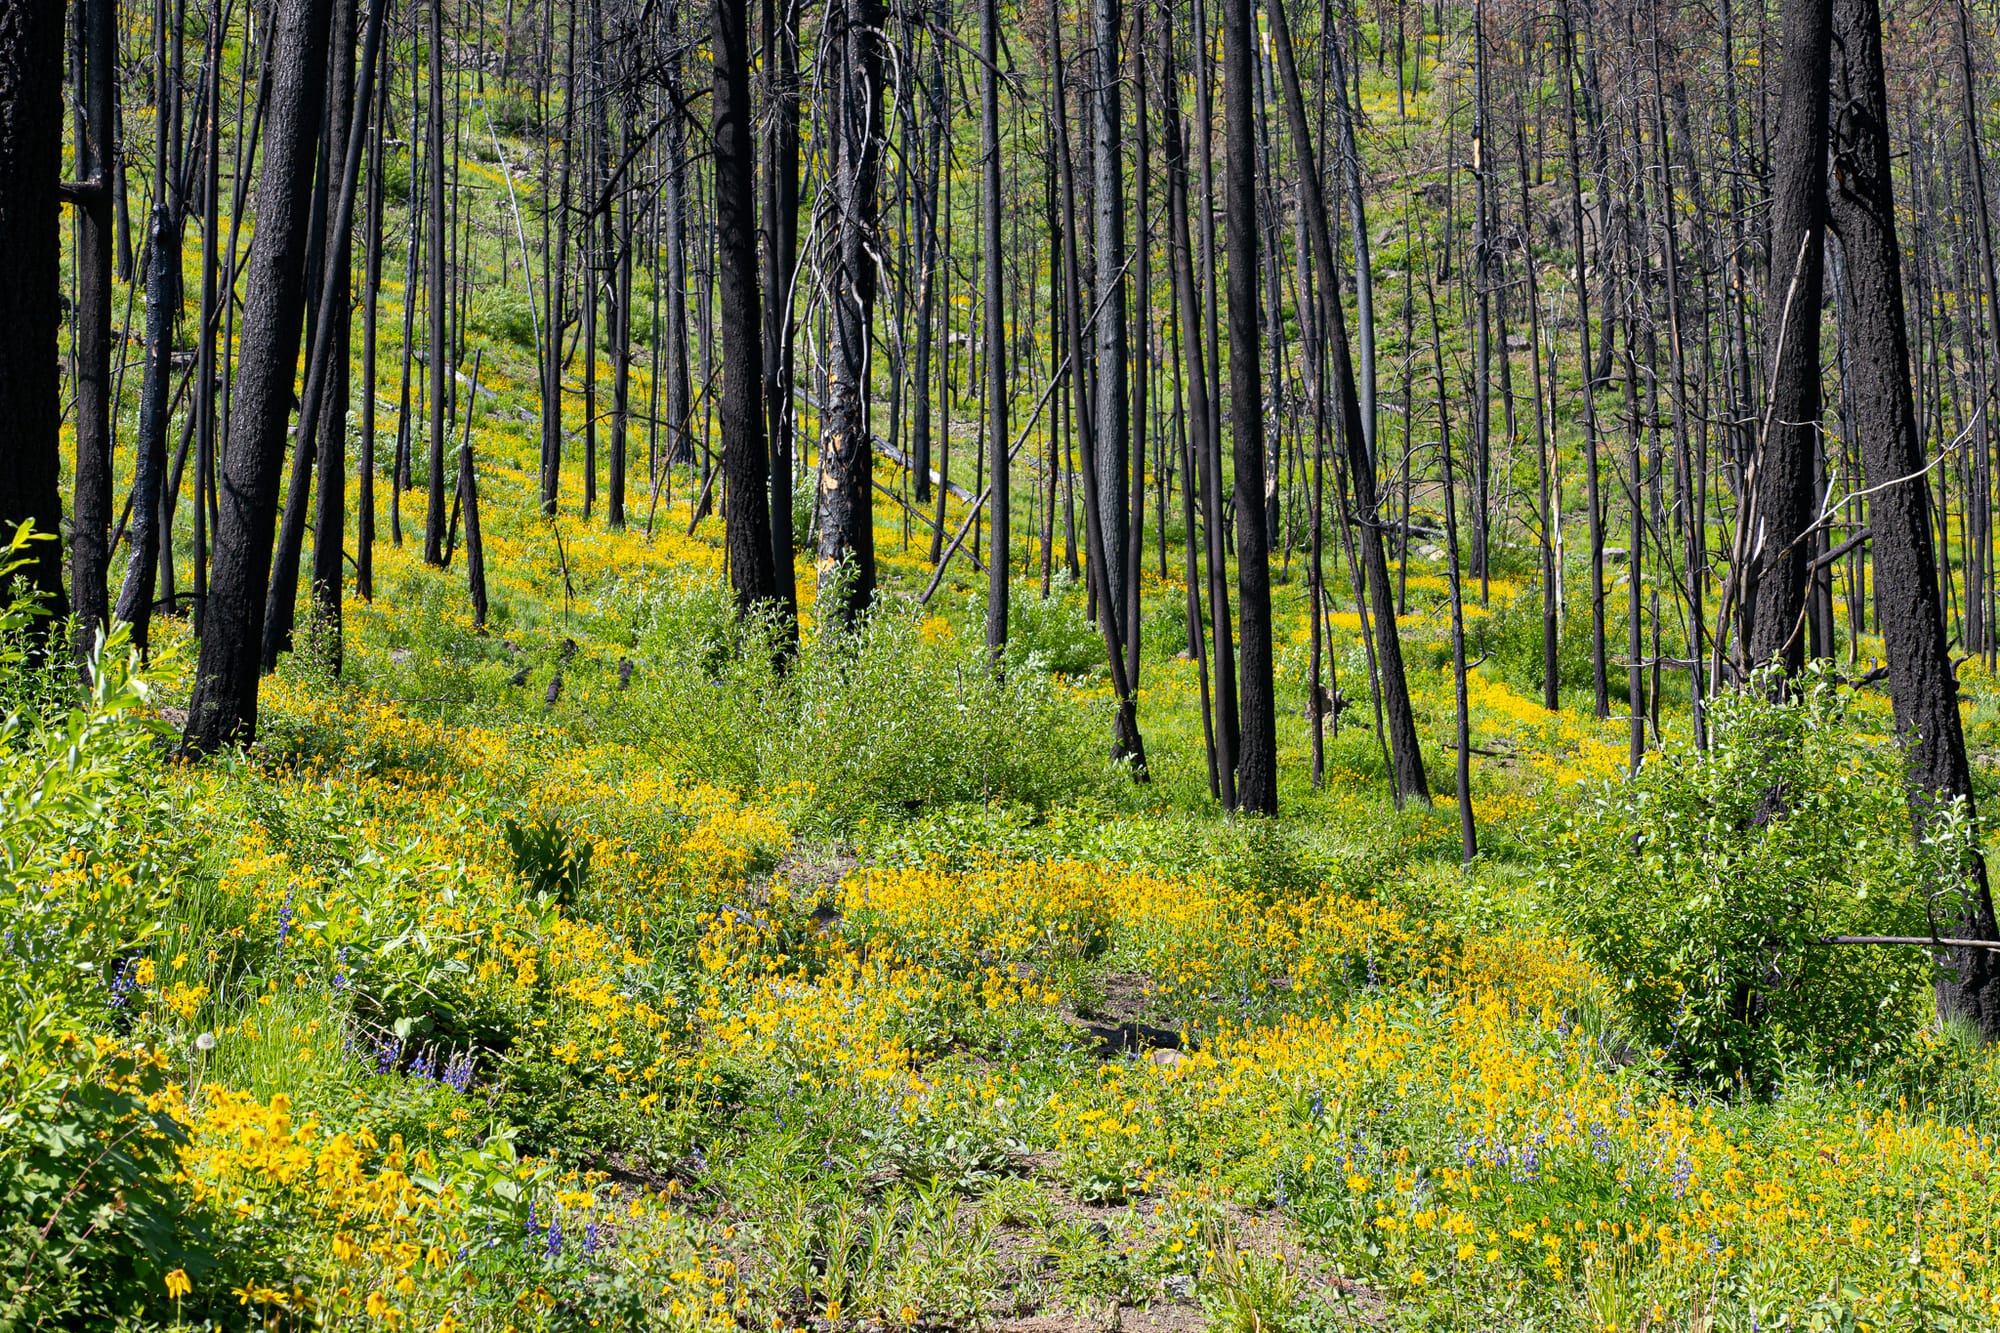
x=500 y=986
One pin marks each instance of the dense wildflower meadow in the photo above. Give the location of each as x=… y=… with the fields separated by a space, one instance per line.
x=591 y=973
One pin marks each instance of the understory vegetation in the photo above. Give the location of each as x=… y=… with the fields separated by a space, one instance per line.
x=585 y=927
x=861 y=994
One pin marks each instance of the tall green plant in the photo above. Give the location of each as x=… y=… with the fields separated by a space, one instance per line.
x=1707 y=886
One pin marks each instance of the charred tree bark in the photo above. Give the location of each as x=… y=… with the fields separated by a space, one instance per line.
x=999 y=497
x=746 y=512
x=846 y=555
x=1127 y=745
x=1921 y=679
x=1112 y=399
x=468 y=498
x=31 y=108
x=1406 y=752
x=1784 y=483
x=324 y=408
x=781 y=227
x=90 y=513
x=135 y=595
x=438 y=344
x=371 y=292
x=1599 y=671
x=223 y=709
x=1201 y=469
x=347 y=133
x=1257 y=757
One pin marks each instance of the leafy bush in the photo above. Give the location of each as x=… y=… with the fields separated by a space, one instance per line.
x=1705 y=887
x=514 y=116
x=1052 y=633
x=1511 y=639
x=883 y=716
x=504 y=314
x=88 y=1218
x=87 y=1167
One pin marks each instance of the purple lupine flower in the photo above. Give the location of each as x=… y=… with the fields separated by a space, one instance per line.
x=458 y=1074
x=123 y=984
x=590 y=1241
x=285 y=919
x=1683 y=1169
x=555 y=1238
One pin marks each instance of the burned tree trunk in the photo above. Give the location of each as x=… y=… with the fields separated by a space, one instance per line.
x=997 y=563
x=781 y=224
x=90 y=513
x=1108 y=302
x=1257 y=755
x=1784 y=496
x=1406 y=753
x=846 y=555
x=31 y=108
x=438 y=345
x=746 y=512
x=1921 y=680
x=223 y=709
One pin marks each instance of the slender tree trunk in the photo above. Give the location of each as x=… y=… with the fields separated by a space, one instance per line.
x=1784 y=483
x=90 y=512
x=680 y=401
x=223 y=709
x=371 y=292
x=1108 y=299
x=347 y=129
x=746 y=513
x=468 y=496
x=1357 y=218
x=998 y=561
x=1599 y=670
x=325 y=411
x=1461 y=716
x=846 y=555
x=927 y=280
x=438 y=345
x=163 y=264
x=1547 y=486
x=781 y=227
x=1404 y=747
x=555 y=275
x=135 y=596
x=1257 y=759
x=205 y=355
x=1222 y=734
x=1921 y=679
x=31 y=108
x=1127 y=745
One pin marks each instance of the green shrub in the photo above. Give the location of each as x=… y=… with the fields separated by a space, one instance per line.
x=88 y=1219
x=1705 y=887
x=1052 y=633
x=876 y=717
x=504 y=314
x=1511 y=638
x=514 y=116
x=88 y=850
